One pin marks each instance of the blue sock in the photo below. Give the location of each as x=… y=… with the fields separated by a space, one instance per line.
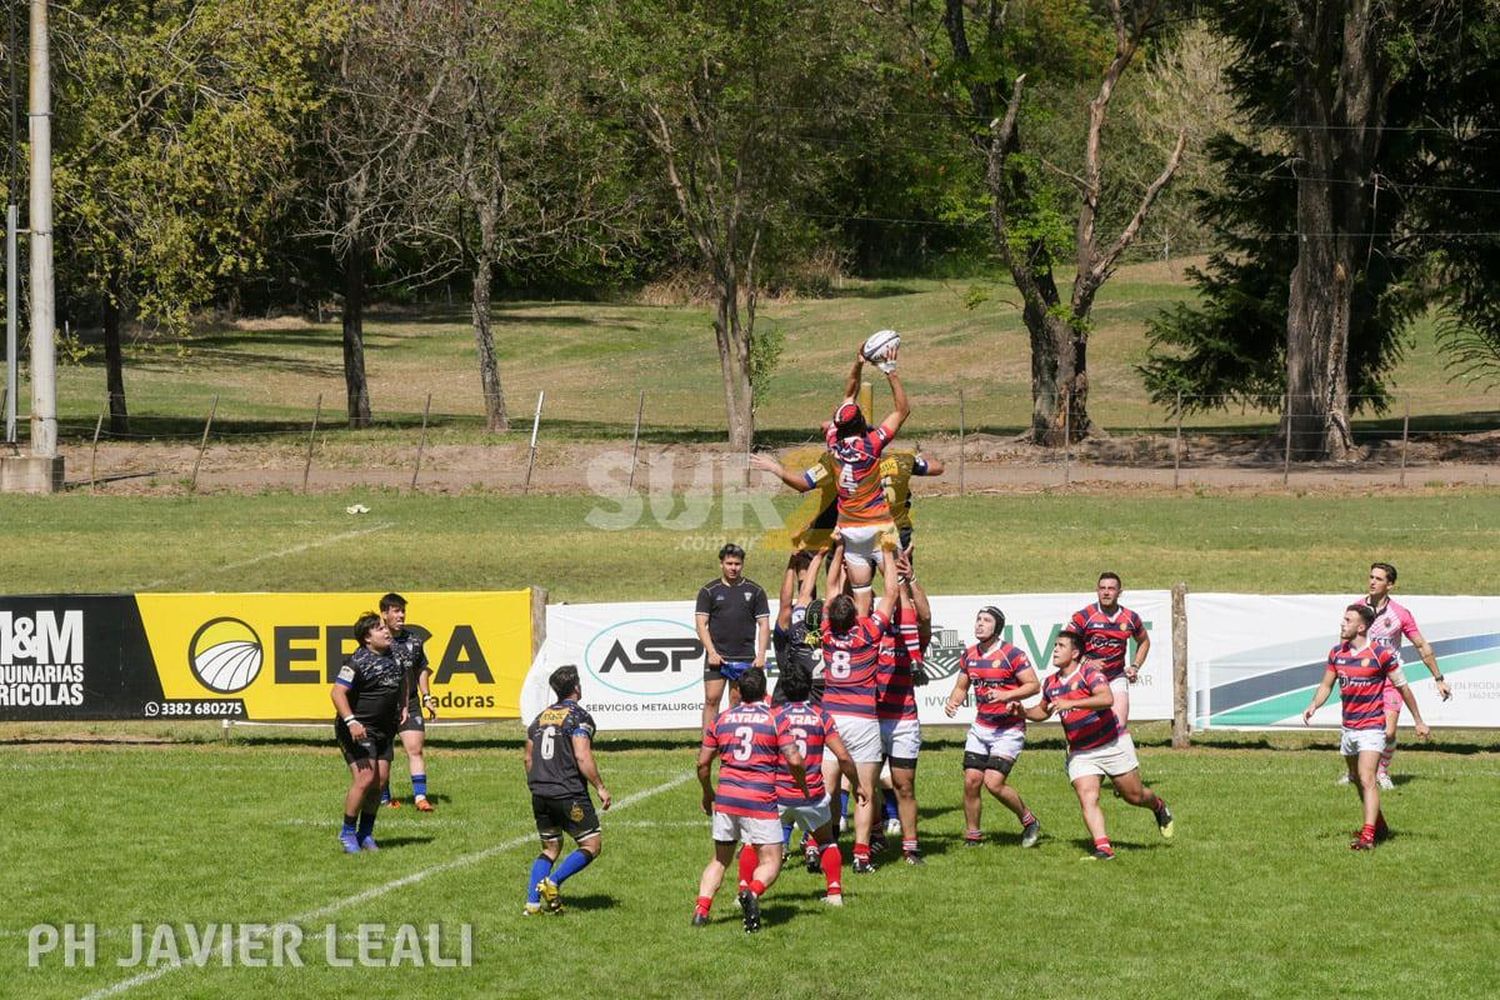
x=890 y=805
x=571 y=865
x=540 y=869
x=786 y=835
x=348 y=829
x=419 y=785
x=366 y=824
x=844 y=804
x=385 y=794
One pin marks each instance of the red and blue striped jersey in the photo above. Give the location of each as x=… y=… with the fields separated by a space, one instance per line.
x=749 y=739
x=997 y=670
x=895 y=694
x=1107 y=636
x=1362 y=677
x=850 y=664
x=861 y=497
x=1085 y=728
x=808 y=726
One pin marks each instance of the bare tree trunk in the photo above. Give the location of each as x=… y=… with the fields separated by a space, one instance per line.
x=495 y=417
x=734 y=362
x=114 y=362
x=356 y=384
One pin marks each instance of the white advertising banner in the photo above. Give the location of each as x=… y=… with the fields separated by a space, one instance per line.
x=641 y=665
x=1255 y=661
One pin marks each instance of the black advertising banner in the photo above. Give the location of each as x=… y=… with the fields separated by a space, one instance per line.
x=74 y=657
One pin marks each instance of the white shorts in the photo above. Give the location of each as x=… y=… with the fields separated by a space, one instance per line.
x=727 y=829
x=901 y=738
x=1120 y=685
x=1358 y=741
x=987 y=742
x=861 y=736
x=1112 y=759
x=861 y=542
x=810 y=818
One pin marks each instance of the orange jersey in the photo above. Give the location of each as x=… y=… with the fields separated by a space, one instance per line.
x=861 y=495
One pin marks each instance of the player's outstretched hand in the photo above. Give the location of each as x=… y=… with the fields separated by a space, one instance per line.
x=764 y=462
x=605 y=799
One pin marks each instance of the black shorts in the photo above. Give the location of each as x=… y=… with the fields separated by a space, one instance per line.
x=574 y=816
x=375 y=746
x=906 y=539
x=414 y=722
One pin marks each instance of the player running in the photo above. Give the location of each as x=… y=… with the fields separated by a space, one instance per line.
x=1393 y=623
x=896 y=678
x=751 y=742
x=1363 y=669
x=1107 y=629
x=812 y=730
x=1097 y=744
x=864 y=517
x=406 y=647
x=1002 y=677
x=559 y=759
x=368 y=694
x=851 y=650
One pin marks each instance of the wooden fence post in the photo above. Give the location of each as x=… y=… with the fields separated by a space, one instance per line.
x=961 y=430
x=535 y=423
x=203 y=445
x=311 y=436
x=1181 y=729
x=1177 y=452
x=635 y=442
x=422 y=441
x=1405 y=432
x=94 y=458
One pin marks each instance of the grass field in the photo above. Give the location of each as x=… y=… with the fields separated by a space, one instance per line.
x=593 y=358
x=1257 y=896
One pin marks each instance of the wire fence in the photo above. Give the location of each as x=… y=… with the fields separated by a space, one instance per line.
x=665 y=441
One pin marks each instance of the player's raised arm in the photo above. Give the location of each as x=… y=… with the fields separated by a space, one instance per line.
x=892 y=423
x=925 y=466
x=810 y=580
x=1321 y=695
x=798 y=481
x=851 y=384
x=892 y=581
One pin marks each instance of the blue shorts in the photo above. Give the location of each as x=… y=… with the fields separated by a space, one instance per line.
x=733 y=670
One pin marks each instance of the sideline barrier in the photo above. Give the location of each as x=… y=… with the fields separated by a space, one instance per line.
x=642 y=664
x=1255 y=661
x=244 y=657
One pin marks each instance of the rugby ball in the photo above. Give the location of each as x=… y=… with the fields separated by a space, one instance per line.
x=880 y=344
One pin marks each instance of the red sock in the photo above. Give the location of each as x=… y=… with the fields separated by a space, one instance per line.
x=1103 y=844
x=758 y=887
x=704 y=902
x=1026 y=817
x=909 y=846
x=1367 y=832
x=861 y=852
x=833 y=865
x=747 y=865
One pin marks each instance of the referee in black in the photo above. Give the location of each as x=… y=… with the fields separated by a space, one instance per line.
x=369 y=694
x=734 y=625
x=559 y=759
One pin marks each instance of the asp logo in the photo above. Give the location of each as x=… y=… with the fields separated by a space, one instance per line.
x=226 y=655
x=651 y=656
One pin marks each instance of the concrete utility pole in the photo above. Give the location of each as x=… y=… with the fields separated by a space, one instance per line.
x=42 y=470
x=12 y=217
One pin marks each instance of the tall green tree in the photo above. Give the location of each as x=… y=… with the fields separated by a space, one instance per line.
x=175 y=125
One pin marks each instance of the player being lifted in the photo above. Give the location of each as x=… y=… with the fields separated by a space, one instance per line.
x=1393 y=623
x=1107 y=629
x=1363 y=669
x=1001 y=677
x=406 y=647
x=369 y=696
x=1097 y=744
x=864 y=517
x=559 y=758
x=751 y=743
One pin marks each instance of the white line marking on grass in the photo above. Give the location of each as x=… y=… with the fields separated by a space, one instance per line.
x=280 y=553
x=462 y=861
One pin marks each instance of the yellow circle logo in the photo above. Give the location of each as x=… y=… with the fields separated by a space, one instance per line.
x=226 y=655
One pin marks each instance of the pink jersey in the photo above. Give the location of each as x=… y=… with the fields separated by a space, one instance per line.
x=750 y=740
x=1362 y=675
x=1392 y=624
x=1106 y=636
x=850 y=666
x=808 y=726
x=989 y=673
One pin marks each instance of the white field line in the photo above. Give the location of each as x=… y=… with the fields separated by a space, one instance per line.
x=322 y=912
x=278 y=554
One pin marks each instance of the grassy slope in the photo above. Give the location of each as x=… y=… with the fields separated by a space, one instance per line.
x=593 y=358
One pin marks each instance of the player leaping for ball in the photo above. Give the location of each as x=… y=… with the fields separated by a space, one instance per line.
x=865 y=521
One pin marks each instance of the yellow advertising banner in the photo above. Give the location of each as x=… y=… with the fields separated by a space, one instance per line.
x=273 y=657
